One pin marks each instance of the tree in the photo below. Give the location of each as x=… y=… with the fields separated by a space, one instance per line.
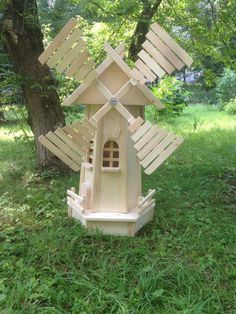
x=23 y=41
x=149 y=9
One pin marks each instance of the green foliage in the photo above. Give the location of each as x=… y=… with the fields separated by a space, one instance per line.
x=182 y=262
x=226 y=86
x=173 y=95
x=230 y=107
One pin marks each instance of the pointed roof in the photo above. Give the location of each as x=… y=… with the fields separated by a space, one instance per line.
x=113 y=73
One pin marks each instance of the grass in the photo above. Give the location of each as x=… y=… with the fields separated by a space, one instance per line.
x=182 y=262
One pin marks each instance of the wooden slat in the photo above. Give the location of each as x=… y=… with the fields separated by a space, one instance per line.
x=146 y=91
x=101 y=112
x=152 y=144
x=114 y=55
x=57 y=41
x=157 y=150
x=147 y=198
x=167 y=152
x=136 y=124
x=83 y=131
x=64 y=147
x=73 y=145
x=86 y=123
x=124 y=112
x=102 y=88
x=64 y=48
x=76 y=137
x=179 y=51
x=146 y=138
x=141 y=131
x=151 y=64
x=84 y=70
x=124 y=90
x=57 y=152
x=70 y=56
x=141 y=66
x=158 y=57
x=165 y=50
x=108 y=61
x=76 y=64
x=137 y=75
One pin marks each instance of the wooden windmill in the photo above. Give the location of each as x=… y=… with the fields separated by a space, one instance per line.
x=113 y=141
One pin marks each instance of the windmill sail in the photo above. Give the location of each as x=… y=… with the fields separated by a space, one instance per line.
x=160 y=55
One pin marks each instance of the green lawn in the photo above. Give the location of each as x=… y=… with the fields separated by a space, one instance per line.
x=182 y=262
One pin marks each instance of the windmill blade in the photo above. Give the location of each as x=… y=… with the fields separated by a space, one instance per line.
x=154 y=145
x=68 y=53
x=160 y=55
x=71 y=144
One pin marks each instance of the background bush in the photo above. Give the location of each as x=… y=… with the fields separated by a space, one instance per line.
x=230 y=107
x=226 y=87
x=173 y=95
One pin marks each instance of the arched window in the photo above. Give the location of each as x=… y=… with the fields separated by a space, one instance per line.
x=111 y=155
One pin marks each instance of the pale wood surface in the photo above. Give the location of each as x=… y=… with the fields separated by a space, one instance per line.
x=76 y=64
x=157 y=150
x=167 y=152
x=141 y=131
x=65 y=47
x=179 y=51
x=151 y=64
x=165 y=50
x=76 y=137
x=84 y=70
x=158 y=57
x=141 y=66
x=70 y=56
x=138 y=76
x=57 y=152
x=136 y=124
x=115 y=56
x=146 y=138
x=70 y=142
x=152 y=144
x=58 y=40
x=64 y=147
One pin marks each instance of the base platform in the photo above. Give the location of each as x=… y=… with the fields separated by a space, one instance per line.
x=113 y=223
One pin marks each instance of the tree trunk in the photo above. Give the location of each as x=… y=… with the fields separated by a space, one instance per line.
x=24 y=43
x=142 y=26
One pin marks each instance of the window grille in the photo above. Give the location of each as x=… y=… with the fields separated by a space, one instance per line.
x=111 y=154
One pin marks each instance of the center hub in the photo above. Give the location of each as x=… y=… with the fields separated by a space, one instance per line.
x=113 y=101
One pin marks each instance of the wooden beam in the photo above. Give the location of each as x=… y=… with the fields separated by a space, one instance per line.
x=57 y=152
x=179 y=51
x=58 y=40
